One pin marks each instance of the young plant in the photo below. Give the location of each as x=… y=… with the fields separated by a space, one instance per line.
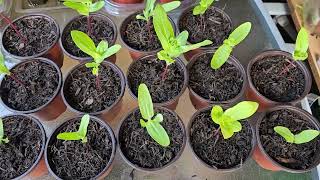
x=4 y=70
x=172 y=46
x=151 y=121
x=223 y=52
x=99 y=53
x=2 y=139
x=202 y=7
x=228 y=120
x=300 y=138
x=81 y=134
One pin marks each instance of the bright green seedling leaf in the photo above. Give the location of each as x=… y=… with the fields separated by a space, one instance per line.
x=84 y=7
x=224 y=51
x=3 y=67
x=149 y=121
x=202 y=7
x=99 y=53
x=81 y=134
x=2 y=139
x=300 y=138
x=229 y=119
x=302 y=44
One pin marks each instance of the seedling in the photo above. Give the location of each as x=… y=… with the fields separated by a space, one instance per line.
x=150 y=121
x=4 y=70
x=223 y=52
x=228 y=120
x=99 y=53
x=2 y=139
x=172 y=46
x=300 y=138
x=202 y=7
x=81 y=134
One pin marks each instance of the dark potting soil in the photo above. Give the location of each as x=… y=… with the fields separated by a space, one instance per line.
x=40 y=34
x=215 y=85
x=37 y=2
x=23 y=149
x=138 y=147
x=77 y=160
x=140 y=35
x=101 y=29
x=35 y=85
x=149 y=71
x=84 y=94
x=290 y=155
x=212 y=25
x=213 y=149
x=275 y=78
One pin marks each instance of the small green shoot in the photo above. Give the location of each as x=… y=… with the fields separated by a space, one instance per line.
x=302 y=44
x=202 y=7
x=229 y=119
x=84 y=7
x=149 y=9
x=81 y=134
x=223 y=52
x=2 y=139
x=300 y=138
x=3 y=68
x=149 y=121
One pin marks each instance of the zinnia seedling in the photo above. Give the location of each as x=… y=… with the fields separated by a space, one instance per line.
x=300 y=138
x=2 y=139
x=228 y=120
x=81 y=134
x=223 y=52
x=172 y=46
x=202 y=7
x=149 y=121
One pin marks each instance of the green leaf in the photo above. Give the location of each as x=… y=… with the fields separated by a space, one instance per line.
x=141 y=17
x=158 y=133
x=182 y=38
x=240 y=33
x=235 y=126
x=171 y=6
x=199 y=10
x=84 y=125
x=226 y=132
x=79 y=1
x=69 y=136
x=242 y=110
x=3 y=67
x=187 y=48
x=95 y=71
x=285 y=133
x=79 y=7
x=163 y=55
x=102 y=47
x=158 y=118
x=110 y=51
x=220 y=56
x=91 y=64
x=302 y=44
x=84 y=43
x=96 y=6
x=143 y=123
x=216 y=113
x=306 y=136
x=2 y=139
x=145 y=102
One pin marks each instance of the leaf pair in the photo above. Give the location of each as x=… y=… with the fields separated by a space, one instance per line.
x=300 y=138
x=2 y=139
x=229 y=120
x=78 y=135
x=99 y=53
x=202 y=7
x=3 y=68
x=223 y=52
x=302 y=44
x=152 y=124
x=172 y=46
x=84 y=7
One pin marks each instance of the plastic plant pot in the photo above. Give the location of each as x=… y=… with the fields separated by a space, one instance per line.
x=107 y=166
x=38 y=168
x=52 y=51
x=253 y=94
x=260 y=154
x=75 y=24
x=181 y=141
x=51 y=108
x=200 y=102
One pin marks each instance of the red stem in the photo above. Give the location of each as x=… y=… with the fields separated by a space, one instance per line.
x=287 y=68
x=217 y=131
x=12 y=76
x=164 y=74
x=89 y=25
x=98 y=82
x=8 y=20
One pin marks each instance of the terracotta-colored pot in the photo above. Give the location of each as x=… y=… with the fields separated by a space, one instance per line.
x=50 y=110
x=54 y=52
x=199 y=102
x=261 y=156
x=264 y=103
x=81 y=59
x=128 y=1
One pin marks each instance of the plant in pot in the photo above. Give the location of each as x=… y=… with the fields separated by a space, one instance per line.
x=98 y=26
x=204 y=21
x=288 y=140
x=164 y=73
x=137 y=31
x=218 y=79
x=277 y=77
x=22 y=144
x=95 y=87
x=32 y=86
x=81 y=148
x=223 y=140
x=151 y=138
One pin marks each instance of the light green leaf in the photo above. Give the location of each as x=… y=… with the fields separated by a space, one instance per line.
x=91 y=64
x=158 y=133
x=306 y=136
x=2 y=139
x=79 y=7
x=145 y=102
x=95 y=71
x=216 y=113
x=79 y=1
x=141 y=17
x=3 y=67
x=84 y=123
x=240 y=33
x=171 y=6
x=163 y=55
x=302 y=44
x=102 y=47
x=143 y=123
x=235 y=126
x=187 y=48
x=220 y=56
x=182 y=38
x=242 y=110
x=97 y=6
x=84 y=43
x=226 y=132
x=285 y=133
x=70 y=136
x=111 y=51
x=158 y=118
x=199 y=10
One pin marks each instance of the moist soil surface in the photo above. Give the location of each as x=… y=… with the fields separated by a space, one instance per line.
x=77 y=160
x=149 y=71
x=278 y=78
x=215 y=85
x=101 y=29
x=39 y=34
x=84 y=94
x=140 y=149
x=212 y=25
x=35 y=84
x=213 y=149
x=290 y=155
x=23 y=149
x=140 y=35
